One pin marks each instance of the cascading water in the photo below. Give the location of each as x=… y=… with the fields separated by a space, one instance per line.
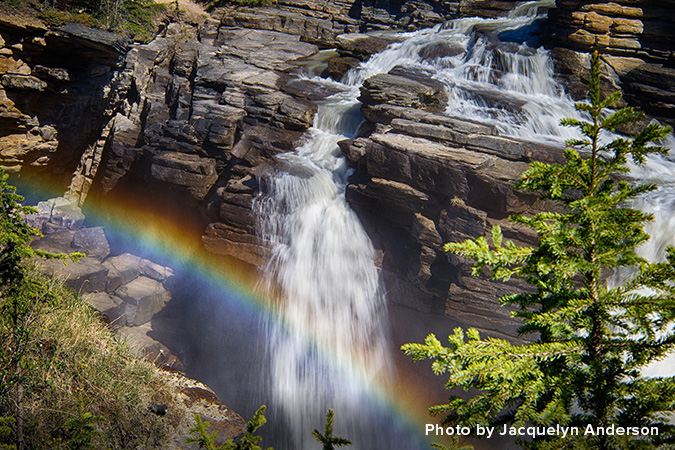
x=322 y=264
x=333 y=342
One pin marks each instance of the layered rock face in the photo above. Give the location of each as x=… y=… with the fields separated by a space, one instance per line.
x=195 y=117
x=636 y=42
x=422 y=179
x=56 y=89
x=207 y=106
x=322 y=22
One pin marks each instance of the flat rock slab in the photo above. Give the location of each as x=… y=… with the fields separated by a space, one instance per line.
x=86 y=275
x=94 y=38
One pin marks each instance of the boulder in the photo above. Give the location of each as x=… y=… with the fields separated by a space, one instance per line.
x=143 y=297
x=109 y=305
x=400 y=91
x=155 y=271
x=86 y=275
x=360 y=45
x=58 y=242
x=122 y=269
x=92 y=242
x=140 y=343
x=339 y=66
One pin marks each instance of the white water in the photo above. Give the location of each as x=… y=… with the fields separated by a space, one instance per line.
x=322 y=266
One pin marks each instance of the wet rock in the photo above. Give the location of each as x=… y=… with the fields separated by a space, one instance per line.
x=361 y=46
x=438 y=50
x=223 y=239
x=400 y=91
x=309 y=89
x=338 y=67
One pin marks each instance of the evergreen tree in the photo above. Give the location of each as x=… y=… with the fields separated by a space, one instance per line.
x=589 y=341
x=248 y=441
x=327 y=439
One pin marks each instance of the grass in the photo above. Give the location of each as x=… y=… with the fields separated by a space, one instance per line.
x=80 y=382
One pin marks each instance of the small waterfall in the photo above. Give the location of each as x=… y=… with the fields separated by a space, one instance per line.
x=333 y=342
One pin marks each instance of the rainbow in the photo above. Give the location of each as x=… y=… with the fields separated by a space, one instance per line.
x=172 y=241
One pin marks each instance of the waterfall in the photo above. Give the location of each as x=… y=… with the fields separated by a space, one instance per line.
x=333 y=343
x=323 y=267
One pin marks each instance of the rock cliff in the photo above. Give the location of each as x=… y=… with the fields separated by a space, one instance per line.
x=57 y=88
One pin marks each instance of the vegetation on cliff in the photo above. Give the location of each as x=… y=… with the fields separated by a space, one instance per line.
x=591 y=339
x=65 y=381
x=137 y=18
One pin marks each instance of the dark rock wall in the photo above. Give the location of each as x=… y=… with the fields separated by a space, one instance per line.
x=422 y=179
x=57 y=89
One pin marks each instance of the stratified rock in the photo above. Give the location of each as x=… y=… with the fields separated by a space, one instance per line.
x=91 y=38
x=192 y=172
x=400 y=91
x=627 y=34
x=653 y=86
x=223 y=239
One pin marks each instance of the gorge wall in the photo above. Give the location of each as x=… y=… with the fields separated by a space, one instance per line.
x=191 y=121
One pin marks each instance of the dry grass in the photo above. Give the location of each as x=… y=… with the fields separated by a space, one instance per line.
x=76 y=365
